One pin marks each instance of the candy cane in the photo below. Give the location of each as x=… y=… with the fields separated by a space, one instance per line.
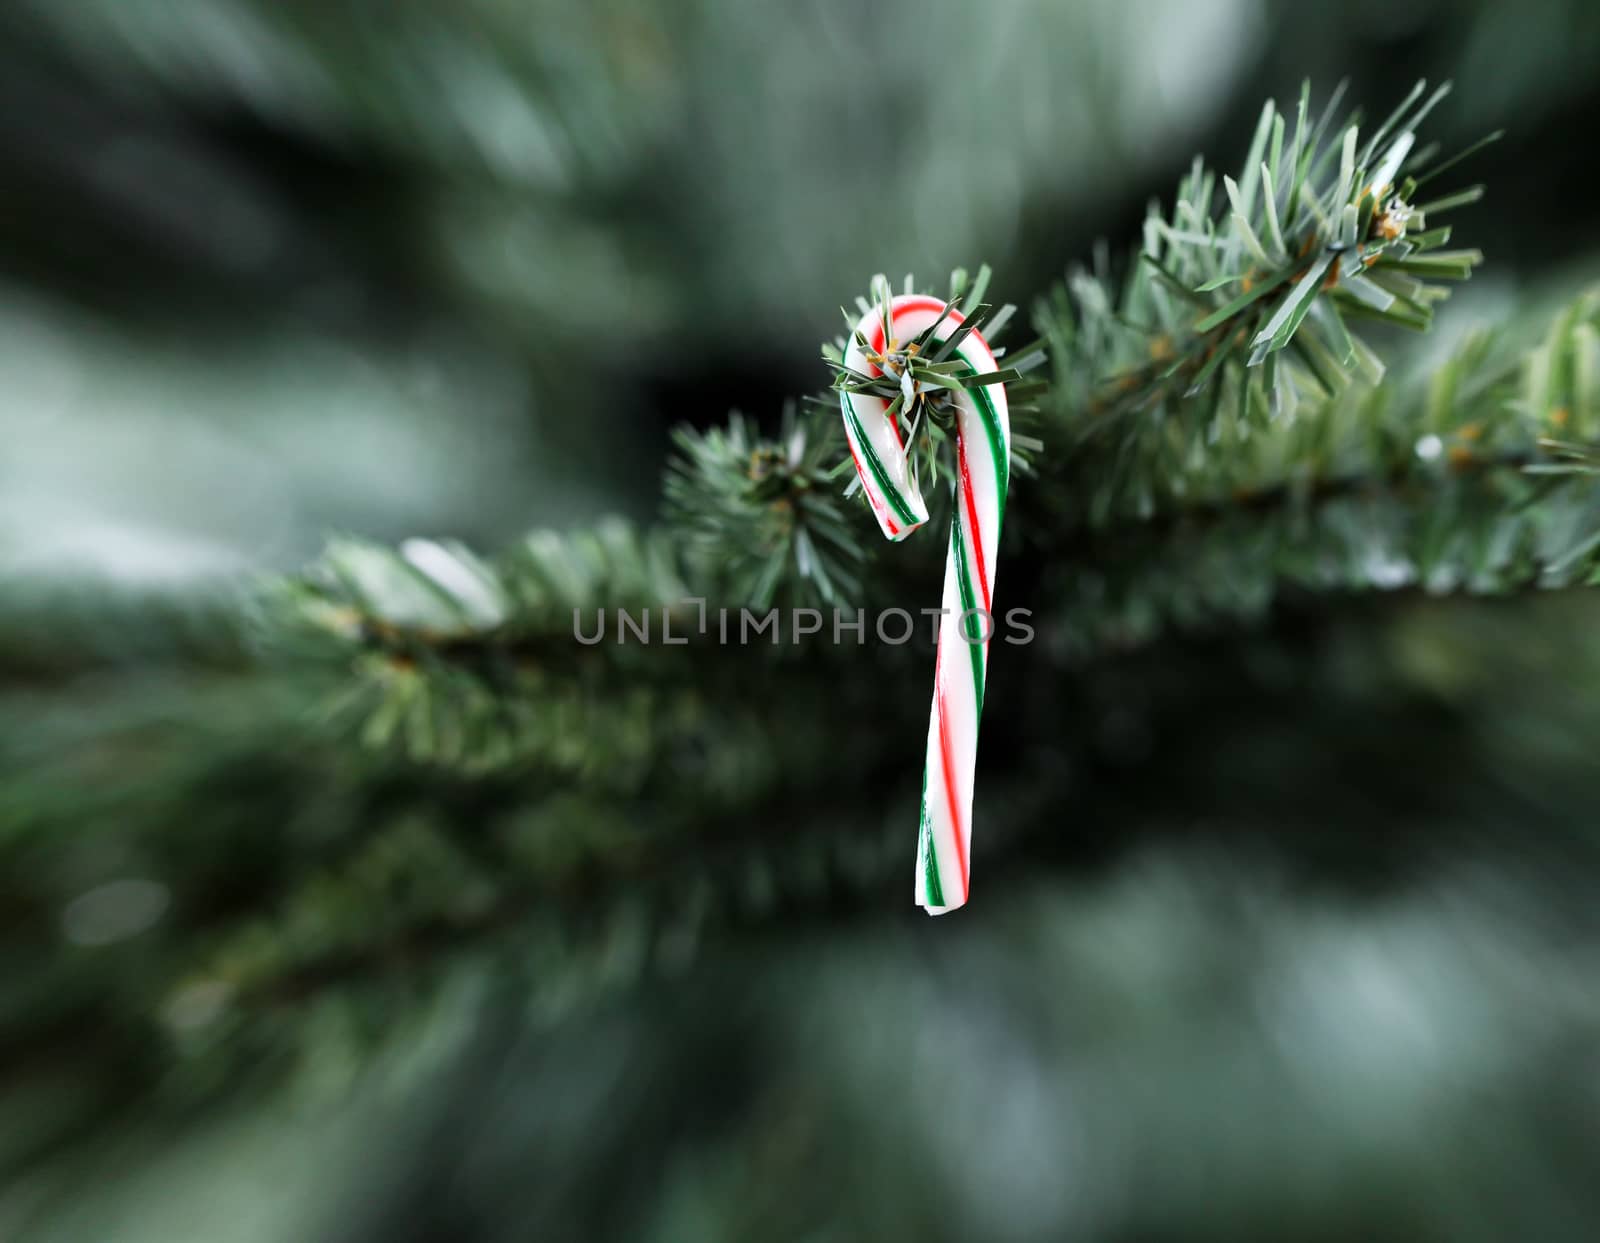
x=983 y=468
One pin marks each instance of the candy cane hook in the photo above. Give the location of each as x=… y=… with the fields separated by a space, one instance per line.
x=983 y=470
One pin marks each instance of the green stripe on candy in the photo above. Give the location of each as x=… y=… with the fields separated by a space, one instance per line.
x=999 y=454
x=958 y=546
x=930 y=867
x=870 y=456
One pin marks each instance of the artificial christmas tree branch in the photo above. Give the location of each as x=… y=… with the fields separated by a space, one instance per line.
x=1455 y=485
x=1444 y=483
x=1491 y=531
x=1222 y=366
x=1232 y=316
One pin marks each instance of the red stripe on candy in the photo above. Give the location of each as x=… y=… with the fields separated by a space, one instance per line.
x=925 y=304
x=861 y=474
x=947 y=762
x=906 y=308
x=972 y=519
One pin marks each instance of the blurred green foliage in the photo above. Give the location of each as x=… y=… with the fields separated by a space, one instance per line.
x=1284 y=930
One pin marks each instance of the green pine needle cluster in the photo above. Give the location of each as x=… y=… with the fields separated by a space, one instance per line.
x=765 y=515
x=472 y=664
x=1242 y=305
x=1475 y=478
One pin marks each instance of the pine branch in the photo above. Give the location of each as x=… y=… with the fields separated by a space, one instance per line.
x=1237 y=308
x=474 y=664
x=1461 y=485
x=765 y=518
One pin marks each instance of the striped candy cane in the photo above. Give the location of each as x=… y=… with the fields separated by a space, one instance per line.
x=983 y=467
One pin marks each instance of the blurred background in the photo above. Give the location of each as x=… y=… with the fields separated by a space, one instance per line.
x=273 y=270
